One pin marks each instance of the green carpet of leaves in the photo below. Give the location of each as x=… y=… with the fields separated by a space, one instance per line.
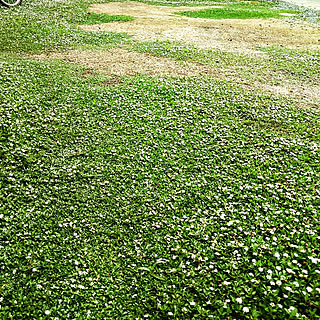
x=155 y=198
x=45 y=25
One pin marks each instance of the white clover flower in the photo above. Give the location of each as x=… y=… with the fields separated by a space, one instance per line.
x=289 y=270
x=245 y=309
x=278 y=282
x=239 y=300
x=314 y=260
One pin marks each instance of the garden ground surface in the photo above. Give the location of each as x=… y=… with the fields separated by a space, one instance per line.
x=159 y=166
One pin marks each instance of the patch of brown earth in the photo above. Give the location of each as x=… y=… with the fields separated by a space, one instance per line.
x=120 y=62
x=160 y=23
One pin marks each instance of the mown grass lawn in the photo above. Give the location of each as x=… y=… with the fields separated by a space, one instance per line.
x=154 y=198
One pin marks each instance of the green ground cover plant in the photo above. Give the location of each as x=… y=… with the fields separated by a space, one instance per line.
x=97 y=18
x=101 y=204
x=153 y=198
x=39 y=26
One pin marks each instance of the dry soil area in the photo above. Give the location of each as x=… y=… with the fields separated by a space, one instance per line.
x=160 y=23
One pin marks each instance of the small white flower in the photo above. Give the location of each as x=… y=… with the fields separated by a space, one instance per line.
x=260 y=269
x=170 y=313
x=280 y=306
x=278 y=282
x=277 y=255
x=314 y=260
x=192 y=303
x=47 y=312
x=245 y=309
x=226 y=283
x=296 y=284
x=309 y=289
x=239 y=300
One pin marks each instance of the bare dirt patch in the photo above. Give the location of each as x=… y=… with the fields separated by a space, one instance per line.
x=121 y=62
x=160 y=23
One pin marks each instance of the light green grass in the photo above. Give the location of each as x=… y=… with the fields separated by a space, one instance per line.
x=260 y=10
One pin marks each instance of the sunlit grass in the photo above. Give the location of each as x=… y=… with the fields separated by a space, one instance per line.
x=241 y=10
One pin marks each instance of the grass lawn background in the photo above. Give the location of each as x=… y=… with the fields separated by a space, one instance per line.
x=157 y=198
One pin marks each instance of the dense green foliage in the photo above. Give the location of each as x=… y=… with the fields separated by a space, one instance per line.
x=46 y=25
x=152 y=198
